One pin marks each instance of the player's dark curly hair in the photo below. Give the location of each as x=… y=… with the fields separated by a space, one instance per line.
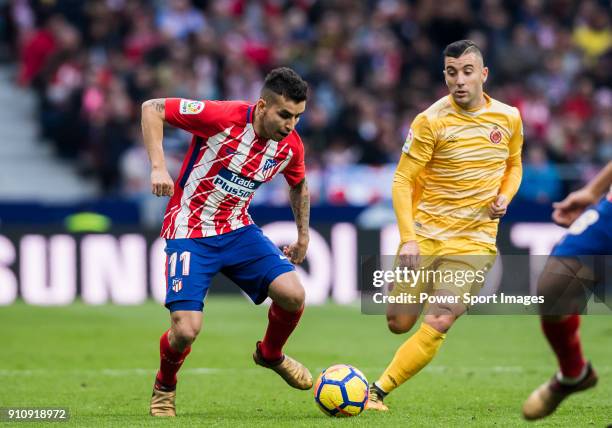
x=462 y=47
x=286 y=82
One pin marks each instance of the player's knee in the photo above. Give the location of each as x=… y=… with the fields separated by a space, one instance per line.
x=397 y=327
x=292 y=298
x=185 y=335
x=295 y=299
x=185 y=330
x=440 y=322
x=399 y=324
x=287 y=292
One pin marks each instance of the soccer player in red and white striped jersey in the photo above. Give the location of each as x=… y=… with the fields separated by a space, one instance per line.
x=236 y=147
x=225 y=142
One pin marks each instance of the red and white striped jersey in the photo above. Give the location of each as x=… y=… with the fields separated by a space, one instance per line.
x=225 y=164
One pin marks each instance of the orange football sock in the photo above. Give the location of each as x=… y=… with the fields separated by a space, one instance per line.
x=411 y=357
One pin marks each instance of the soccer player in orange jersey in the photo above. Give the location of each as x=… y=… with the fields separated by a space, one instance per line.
x=460 y=168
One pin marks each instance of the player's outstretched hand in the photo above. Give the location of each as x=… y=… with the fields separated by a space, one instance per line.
x=570 y=208
x=498 y=208
x=296 y=252
x=161 y=183
x=409 y=255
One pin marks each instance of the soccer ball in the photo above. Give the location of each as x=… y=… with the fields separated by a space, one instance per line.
x=341 y=390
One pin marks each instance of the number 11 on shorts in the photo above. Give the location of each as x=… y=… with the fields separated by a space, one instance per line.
x=185 y=258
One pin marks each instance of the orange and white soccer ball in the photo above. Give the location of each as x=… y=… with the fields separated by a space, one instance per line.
x=341 y=390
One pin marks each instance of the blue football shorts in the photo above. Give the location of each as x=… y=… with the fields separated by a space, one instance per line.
x=246 y=256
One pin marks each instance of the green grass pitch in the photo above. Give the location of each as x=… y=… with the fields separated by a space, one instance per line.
x=100 y=363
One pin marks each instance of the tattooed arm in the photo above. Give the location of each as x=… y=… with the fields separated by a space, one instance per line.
x=153 y=116
x=300 y=205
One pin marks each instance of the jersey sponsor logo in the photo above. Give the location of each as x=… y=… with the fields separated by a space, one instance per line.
x=270 y=163
x=408 y=141
x=177 y=284
x=495 y=136
x=235 y=184
x=191 y=107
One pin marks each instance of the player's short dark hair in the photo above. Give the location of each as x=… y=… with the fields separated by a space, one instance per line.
x=286 y=82
x=461 y=47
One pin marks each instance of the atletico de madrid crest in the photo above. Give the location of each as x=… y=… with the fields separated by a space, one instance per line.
x=177 y=284
x=495 y=136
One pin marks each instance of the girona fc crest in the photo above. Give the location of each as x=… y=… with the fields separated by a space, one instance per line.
x=495 y=136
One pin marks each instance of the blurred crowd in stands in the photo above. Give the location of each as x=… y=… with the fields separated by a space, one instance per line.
x=371 y=66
